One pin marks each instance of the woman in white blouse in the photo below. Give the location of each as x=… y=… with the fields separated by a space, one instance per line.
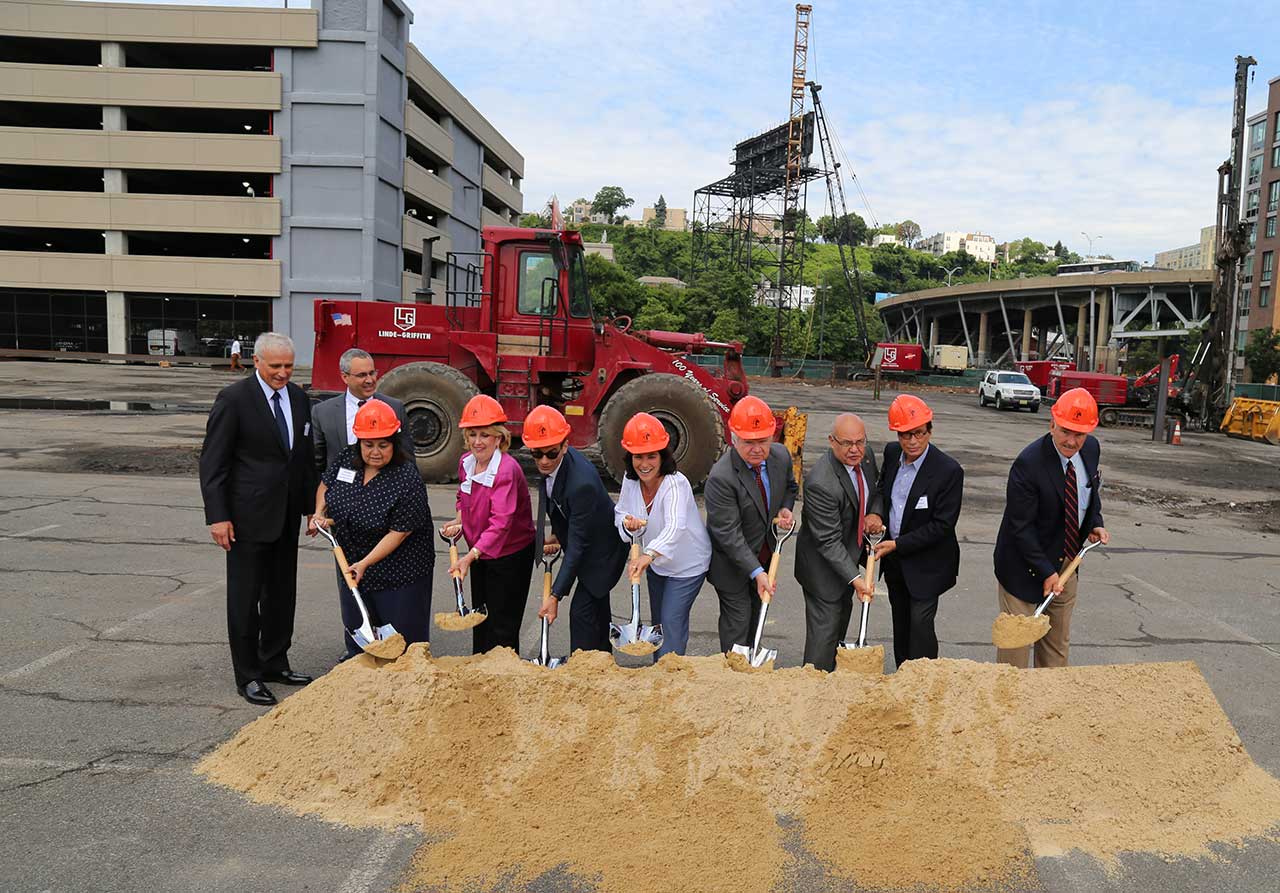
x=676 y=548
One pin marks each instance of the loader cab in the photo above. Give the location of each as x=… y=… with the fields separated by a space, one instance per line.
x=542 y=299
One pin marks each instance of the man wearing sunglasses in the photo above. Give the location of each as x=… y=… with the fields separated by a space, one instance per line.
x=572 y=496
x=922 y=487
x=841 y=505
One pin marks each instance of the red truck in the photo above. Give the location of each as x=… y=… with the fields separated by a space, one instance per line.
x=901 y=357
x=517 y=324
x=1121 y=402
x=1039 y=371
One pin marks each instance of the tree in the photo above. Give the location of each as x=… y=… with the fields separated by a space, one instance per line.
x=1059 y=250
x=850 y=229
x=909 y=232
x=534 y=221
x=609 y=200
x=1262 y=353
x=727 y=326
x=658 y=312
x=660 y=212
x=613 y=290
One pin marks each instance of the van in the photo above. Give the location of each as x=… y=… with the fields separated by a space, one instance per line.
x=171 y=342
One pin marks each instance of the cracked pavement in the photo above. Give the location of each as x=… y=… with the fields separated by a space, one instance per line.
x=115 y=678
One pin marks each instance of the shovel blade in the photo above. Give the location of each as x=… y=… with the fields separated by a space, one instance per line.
x=363 y=639
x=551 y=664
x=623 y=633
x=651 y=634
x=763 y=656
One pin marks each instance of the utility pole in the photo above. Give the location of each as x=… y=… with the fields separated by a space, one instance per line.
x=822 y=313
x=950 y=273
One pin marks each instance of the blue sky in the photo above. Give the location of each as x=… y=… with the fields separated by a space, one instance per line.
x=1016 y=119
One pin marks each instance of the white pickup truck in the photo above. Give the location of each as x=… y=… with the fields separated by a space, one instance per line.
x=1008 y=390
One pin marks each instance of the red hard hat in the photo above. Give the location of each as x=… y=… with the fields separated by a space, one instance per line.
x=375 y=420
x=908 y=412
x=644 y=434
x=482 y=411
x=544 y=426
x=751 y=417
x=1076 y=410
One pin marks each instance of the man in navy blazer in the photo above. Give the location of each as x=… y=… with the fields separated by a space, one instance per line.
x=922 y=488
x=572 y=496
x=1047 y=517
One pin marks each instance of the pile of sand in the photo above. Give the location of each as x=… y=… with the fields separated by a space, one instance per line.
x=674 y=777
x=868 y=659
x=388 y=649
x=1018 y=630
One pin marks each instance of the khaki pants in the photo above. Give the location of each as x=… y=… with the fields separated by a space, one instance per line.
x=1052 y=650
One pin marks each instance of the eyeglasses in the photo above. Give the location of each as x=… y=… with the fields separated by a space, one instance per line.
x=369 y=374
x=921 y=434
x=848 y=444
x=545 y=454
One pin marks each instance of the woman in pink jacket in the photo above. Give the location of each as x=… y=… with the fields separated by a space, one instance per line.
x=495 y=515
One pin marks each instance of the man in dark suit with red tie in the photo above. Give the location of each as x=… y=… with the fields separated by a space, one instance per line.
x=258 y=479
x=922 y=488
x=1053 y=503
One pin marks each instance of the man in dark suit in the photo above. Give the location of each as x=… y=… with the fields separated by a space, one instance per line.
x=572 y=496
x=922 y=488
x=748 y=487
x=841 y=504
x=1048 y=514
x=257 y=477
x=332 y=420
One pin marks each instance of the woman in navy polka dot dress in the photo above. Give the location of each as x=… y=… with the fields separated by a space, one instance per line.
x=376 y=501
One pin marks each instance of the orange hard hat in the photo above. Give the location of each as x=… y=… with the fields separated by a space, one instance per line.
x=644 y=434
x=1076 y=410
x=908 y=412
x=482 y=411
x=375 y=420
x=751 y=417
x=544 y=426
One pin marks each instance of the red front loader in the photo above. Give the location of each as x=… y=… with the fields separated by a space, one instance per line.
x=517 y=324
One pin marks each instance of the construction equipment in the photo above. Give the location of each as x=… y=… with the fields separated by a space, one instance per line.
x=1124 y=403
x=633 y=638
x=1209 y=382
x=1019 y=631
x=382 y=641
x=1254 y=419
x=463 y=617
x=517 y=323
x=756 y=656
x=544 y=658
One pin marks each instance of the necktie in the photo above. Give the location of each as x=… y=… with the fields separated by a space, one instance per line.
x=540 y=531
x=766 y=552
x=1071 y=515
x=361 y=403
x=862 y=504
x=280 y=422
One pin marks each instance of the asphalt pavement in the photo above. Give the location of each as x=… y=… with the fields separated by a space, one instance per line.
x=115 y=676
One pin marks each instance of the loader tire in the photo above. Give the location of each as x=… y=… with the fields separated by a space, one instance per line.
x=695 y=425
x=433 y=397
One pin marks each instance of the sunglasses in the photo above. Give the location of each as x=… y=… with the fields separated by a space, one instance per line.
x=545 y=454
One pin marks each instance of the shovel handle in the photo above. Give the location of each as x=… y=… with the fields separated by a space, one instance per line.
x=453 y=559
x=344 y=567
x=773 y=568
x=635 y=556
x=546 y=585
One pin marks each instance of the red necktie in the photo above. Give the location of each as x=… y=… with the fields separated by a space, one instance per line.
x=1071 y=515
x=765 y=552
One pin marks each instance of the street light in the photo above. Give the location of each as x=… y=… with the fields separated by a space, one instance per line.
x=950 y=272
x=1090 y=238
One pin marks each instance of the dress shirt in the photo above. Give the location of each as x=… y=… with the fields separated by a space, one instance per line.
x=493 y=503
x=284 y=404
x=675 y=530
x=353 y=406
x=1084 y=492
x=902 y=482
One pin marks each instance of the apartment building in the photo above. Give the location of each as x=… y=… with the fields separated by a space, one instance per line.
x=173 y=177
x=677 y=220
x=978 y=245
x=1191 y=257
x=1261 y=208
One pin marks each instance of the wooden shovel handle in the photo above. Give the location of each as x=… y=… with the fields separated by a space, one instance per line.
x=871 y=567
x=773 y=568
x=343 y=566
x=1070 y=569
x=453 y=559
x=635 y=556
x=546 y=585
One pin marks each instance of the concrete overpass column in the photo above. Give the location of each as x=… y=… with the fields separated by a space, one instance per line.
x=933 y=333
x=1103 y=355
x=114 y=180
x=1082 y=327
x=984 y=339
x=1025 y=353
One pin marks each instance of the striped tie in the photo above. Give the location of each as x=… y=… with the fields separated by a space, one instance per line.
x=1071 y=516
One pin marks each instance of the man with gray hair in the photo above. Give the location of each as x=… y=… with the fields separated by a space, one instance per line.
x=258 y=479
x=333 y=420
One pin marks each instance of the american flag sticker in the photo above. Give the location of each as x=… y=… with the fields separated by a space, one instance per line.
x=342 y=319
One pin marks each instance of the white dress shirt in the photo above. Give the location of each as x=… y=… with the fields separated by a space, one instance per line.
x=675 y=530
x=284 y=404
x=902 y=482
x=353 y=406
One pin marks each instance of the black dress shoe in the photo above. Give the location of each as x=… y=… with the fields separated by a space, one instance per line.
x=256 y=693
x=288 y=677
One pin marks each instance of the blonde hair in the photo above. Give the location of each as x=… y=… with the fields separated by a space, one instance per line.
x=498 y=431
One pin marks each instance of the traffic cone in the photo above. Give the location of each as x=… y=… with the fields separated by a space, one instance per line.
x=1177 y=433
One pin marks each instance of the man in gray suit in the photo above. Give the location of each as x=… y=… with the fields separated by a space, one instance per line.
x=331 y=423
x=749 y=486
x=841 y=502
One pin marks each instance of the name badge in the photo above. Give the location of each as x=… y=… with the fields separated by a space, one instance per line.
x=347 y=475
x=922 y=502
x=306 y=428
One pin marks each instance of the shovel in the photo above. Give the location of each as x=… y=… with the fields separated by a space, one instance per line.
x=632 y=638
x=383 y=641
x=464 y=617
x=873 y=540
x=755 y=655
x=544 y=658
x=1017 y=631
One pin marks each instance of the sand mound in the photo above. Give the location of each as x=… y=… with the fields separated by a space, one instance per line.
x=452 y=621
x=948 y=773
x=638 y=649
x=388 y=649
x=861 y=660
x=1018 y=631
x=739 y=663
